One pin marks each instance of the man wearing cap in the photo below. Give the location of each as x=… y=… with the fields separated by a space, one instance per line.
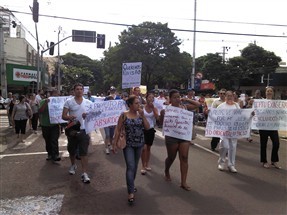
x=221 y=93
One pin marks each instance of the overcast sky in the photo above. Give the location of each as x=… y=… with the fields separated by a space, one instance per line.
x=178 y=14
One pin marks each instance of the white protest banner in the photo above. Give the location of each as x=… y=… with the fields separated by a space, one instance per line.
x=269 y=114
x=178 y=123
x=103 y=114
x=228 y=123
x=158 y=103
x=55 y=107
x=131 y=74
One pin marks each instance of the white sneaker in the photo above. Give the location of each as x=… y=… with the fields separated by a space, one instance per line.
x=232 y=169
x=221 y=167
x=85 y=178
x=107 y=151
x=72 y=169
x=110 y=147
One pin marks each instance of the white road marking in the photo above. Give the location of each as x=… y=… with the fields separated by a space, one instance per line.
x=32 y=205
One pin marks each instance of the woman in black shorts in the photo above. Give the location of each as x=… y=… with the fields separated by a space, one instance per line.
x=151 y=114
x=174 y=145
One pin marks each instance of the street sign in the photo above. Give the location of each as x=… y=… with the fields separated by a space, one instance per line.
x=84 y=36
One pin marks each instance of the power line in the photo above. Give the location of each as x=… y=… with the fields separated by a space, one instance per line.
x=173 y=29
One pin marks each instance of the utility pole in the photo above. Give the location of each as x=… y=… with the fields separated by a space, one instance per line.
x=193 y=53
x=2 y=61
x=59 y=63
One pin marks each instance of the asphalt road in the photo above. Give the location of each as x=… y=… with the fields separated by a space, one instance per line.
x=32 y=185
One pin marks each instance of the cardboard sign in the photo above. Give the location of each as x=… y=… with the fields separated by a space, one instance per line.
x=269 y=114
x=55 y=107
x=103 y=114
x=131 y=75
x=178 y=123
x=228 y=123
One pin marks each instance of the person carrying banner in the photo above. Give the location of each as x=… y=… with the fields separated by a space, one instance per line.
x=109 y=131
x=228 y=145
x=50 y=132
x=134 y=123
x=174 y=145
x=274 y=136
x=221 y=93
x=74 y=111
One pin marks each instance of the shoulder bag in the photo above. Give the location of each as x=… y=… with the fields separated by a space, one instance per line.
x=120 y=135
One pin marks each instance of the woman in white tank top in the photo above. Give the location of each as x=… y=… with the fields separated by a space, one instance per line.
x=151 y=114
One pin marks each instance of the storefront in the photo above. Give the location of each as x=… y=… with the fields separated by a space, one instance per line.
x=23 y=79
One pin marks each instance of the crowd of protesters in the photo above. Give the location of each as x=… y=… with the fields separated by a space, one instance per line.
x=139 y=122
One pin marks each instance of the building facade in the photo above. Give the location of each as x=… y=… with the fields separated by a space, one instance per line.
x=19 y=67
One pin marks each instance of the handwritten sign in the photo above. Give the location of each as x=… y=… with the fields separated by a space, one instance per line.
x=269 y=114
x=103 y=114
x=55 y=107
x=228 y=123
x=131 y=74
x=178 y=123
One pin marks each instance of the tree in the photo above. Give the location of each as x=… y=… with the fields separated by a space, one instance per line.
x=214 y=69
x=73 y=75
x=155 y=46
x=259 y=61
x=81 y=63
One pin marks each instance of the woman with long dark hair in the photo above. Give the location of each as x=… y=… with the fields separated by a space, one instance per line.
x=134 y=123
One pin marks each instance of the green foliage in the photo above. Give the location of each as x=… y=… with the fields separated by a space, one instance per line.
x=253 y=60
x=259 y=61
x=82 y=66
x=156 y=47
x=73 y=75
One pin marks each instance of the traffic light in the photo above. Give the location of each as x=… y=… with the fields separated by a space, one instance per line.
x=101 y=40
x=51 y=51
x=35 y=11
x=14 y=24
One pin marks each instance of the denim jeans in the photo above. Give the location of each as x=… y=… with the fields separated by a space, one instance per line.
x=132 y=156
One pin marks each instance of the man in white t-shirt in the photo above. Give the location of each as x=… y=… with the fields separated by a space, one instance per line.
x=39 y=96
x=74 y=112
